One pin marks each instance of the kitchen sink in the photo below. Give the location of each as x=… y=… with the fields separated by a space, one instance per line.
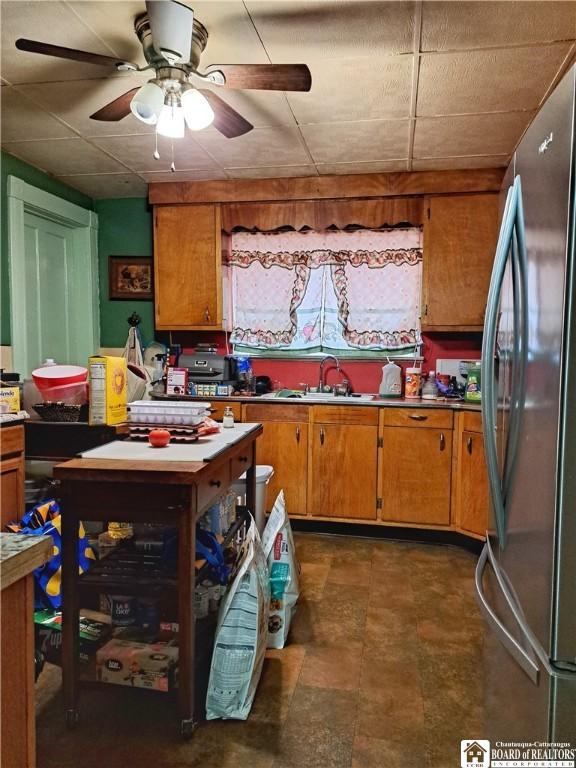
x=326 y=397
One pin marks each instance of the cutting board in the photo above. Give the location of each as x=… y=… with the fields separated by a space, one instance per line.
x=205 y=449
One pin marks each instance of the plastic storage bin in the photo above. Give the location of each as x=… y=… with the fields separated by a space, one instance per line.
x=263 y=474
x=156 y=412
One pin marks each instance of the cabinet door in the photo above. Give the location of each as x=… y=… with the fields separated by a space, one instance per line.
x=11 y=490
x=187 y=267
x=342 y=480
x=459 y=245
x=474 y=499
x=416 y=468
x=284 y=445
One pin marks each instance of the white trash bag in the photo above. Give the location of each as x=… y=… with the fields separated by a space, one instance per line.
x=240 y=642
x=283 y=569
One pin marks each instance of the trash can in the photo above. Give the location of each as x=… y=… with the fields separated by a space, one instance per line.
x=263 y=474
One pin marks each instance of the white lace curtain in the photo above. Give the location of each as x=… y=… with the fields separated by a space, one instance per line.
x=295 y=291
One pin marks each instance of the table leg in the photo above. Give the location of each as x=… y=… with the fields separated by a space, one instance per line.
x=70 y=611
x=251 y=482
x=186 y=583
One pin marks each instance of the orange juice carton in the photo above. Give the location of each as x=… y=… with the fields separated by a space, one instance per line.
x=108 y=399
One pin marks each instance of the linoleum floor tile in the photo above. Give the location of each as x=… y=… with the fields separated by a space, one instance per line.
x=380 y=753
x=333 y=666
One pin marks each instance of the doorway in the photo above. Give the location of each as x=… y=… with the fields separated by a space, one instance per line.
x=52 y=254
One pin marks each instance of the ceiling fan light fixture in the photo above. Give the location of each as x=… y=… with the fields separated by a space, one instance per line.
x=197 y=111
x=171 y=122
x=148 y=103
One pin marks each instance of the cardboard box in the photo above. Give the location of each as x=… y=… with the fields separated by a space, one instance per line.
x=11 y=396
x=108 y=399
x=93 y=632
x=177 y=381
x=141 y=665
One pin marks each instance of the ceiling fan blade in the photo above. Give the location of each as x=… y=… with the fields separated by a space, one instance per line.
x=34 y=46
x=226 y=119
x=116 y=109
x=171 y=24
x=268 y=77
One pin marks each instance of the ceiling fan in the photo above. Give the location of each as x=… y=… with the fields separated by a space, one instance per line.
x=173 y=40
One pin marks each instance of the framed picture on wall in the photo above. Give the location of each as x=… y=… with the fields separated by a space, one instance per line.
x=130 y=277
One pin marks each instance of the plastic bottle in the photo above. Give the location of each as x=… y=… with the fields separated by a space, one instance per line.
x=228 y=418
x=391 y=384
x=429 y=390
x=412 y=383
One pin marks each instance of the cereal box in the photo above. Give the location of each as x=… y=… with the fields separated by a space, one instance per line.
x=107 y=390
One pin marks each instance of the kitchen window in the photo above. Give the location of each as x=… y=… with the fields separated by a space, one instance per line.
x=356 y=293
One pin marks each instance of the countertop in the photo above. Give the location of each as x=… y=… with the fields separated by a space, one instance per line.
x=373 y=400
x=20 y=555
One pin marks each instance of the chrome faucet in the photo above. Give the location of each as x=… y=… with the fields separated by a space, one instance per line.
x=321 y=378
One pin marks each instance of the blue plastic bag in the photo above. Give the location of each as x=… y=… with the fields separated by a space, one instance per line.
x=45 y=520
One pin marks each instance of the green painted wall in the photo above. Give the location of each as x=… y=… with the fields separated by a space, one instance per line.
x=124 y=229
x=11 y=166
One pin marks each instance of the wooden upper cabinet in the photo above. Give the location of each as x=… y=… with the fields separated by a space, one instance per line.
x=460 y=236
x=188 y=267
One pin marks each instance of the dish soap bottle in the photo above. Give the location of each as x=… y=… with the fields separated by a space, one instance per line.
x=391 y=384
x=429 y=390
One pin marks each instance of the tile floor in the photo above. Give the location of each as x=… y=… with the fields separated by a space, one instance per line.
x=384 y=670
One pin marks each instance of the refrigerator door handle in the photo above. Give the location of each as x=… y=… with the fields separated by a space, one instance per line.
x=488 y=347
x=523 y=659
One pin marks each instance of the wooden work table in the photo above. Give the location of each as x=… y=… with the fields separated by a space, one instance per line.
x=19 y=556
x=171 y=492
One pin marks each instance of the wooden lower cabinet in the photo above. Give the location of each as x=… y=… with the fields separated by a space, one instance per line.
x=11 y=474
x=284 y=445
x=415 y=475
x=343 y=462
x=472 y=494
x=217 y=408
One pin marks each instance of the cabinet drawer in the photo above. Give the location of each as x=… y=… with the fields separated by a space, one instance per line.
x=12 y=439
x=214 y=483
x=275 y=412
x=418 y=417
x=240 y=463
x=345 y=414
x=472 y=421
x=217 y=410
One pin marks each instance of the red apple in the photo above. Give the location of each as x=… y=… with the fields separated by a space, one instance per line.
x=159 y=438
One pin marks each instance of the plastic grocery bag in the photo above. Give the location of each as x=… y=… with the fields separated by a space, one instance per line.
x=240 y=642
x=284 y=569
x=45 y=520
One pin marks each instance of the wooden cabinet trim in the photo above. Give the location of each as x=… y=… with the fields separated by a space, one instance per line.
x=319 y=187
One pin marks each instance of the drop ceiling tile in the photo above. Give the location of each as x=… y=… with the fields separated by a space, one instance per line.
x=329 y=169
x=101 y=185
x=347 y=89
x=282 y=171
x=501 y=80
x=50 y=22
x=62 y=157
x=74 y=102
x=136 y=152
x=460 y=163
x=303 y=31
x=458 y=135
x=168 y=175
x=260 y=147
x=368 y=140
x=464 y=25
x=22 y=119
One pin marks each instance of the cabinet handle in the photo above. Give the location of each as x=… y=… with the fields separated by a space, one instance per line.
x=417 y=417
x=442 y=441
x=297 y=434
x=321 y=436
x=243 y=459
x=469 y=445
x=216 y=483
x=207 y=315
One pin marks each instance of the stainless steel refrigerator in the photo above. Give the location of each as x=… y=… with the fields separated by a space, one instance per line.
x=526 y=575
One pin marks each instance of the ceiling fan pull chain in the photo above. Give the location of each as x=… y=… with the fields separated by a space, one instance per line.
x=172 y=166
x=156 y=153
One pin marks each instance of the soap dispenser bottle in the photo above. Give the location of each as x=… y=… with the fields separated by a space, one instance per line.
x=391 y=384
